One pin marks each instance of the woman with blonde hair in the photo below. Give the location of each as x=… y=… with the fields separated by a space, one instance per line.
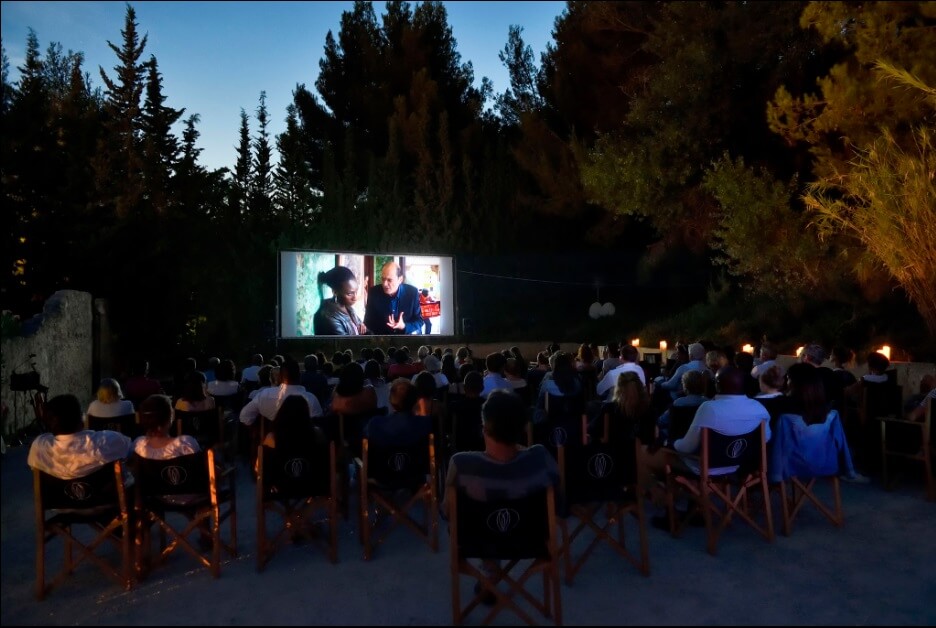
x=628 y=411
x=110 y=401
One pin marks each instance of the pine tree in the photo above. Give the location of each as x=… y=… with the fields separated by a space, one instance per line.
x=261 y=203
x=119 y=162
x=243 y=168
x=160 y=148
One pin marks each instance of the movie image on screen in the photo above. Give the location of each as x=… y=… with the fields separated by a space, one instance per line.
x=326 y=293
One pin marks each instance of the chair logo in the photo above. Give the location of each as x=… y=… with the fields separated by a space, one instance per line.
x=736 y=448
x=558 y=436
x=600 y=466
x=174 y=475
x=398 y=461
x=295 y=467
x=78 y=491
x=503 y=520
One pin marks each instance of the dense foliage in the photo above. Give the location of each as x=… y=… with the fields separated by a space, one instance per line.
x=742 y=167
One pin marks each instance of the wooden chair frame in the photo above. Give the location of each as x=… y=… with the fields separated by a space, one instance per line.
x=503 y=519
x=192 y=475
x=382 y=498
x=97 y=501
x=597 y=506
x=925 y=455
x=296 y=496
x=721 y=497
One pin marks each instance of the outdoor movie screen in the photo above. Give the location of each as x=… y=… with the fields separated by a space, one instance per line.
x=327 y=293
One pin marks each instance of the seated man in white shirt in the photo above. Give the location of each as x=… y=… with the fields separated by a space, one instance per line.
x=494 y=378
x=629 y=356
x=268 y=400
x=68 y=451
x=673 y=385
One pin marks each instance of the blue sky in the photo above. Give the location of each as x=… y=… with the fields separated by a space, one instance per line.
x=216 y=57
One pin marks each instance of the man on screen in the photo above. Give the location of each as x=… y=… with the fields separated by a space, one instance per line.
x=393 y=306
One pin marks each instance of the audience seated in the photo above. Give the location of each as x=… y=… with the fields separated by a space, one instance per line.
x=352 y=395
x=561 y=381
x=263 y=380
x=374 y=379
x=495 y=363
x=268 y=400
x=771 y=395
x=696 y=362
x=627 y=363
x=694 y=384
x=629 y=412
x=768 y=357
x=67 y=451
x=505 y=469
x=139 y=385
x=193 y=397
x=225 y=382
x=400 y=426
x=156 y=423
x=536 y=374
x=110 y=402
x=250 y=375
x=426 y=403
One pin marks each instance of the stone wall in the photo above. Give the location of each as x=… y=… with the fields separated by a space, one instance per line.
x=61 y=337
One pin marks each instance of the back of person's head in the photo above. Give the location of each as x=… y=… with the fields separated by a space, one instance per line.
x=379 y=356
x=474 y=383
x=372 y=370
x=289 y=371
x=772 y=378
x=366 y=354
x=139 y=366
x=807 y=395
x=504 y=417
x=630 y=353
x=682 y=352
x=495 y=362
x=696 y=351
x=768 y=351
x=927 y=383
x=279 y=359
x=256 y=359
x=542 y=358
x=189 y=364
x=391 y=353
x=338 y=358
x=403 y=395
x=814 y=354
x=842 y=356
x=425 y=385
x=109 y=391
x=193 y=386
x=694 y=382
x=797 y=373
x=310 y=363
x=631 y=395
x=264 y=375
x=226 y=371
x=462 y=354
x=156 y=414
x=423 y=351
x=563 y=372
x=744 y=361
x=465 y=369
x=614 y=350
x=293 y=423
x=878 y=363
x=448 y=366
x=213 y=362
x=402 y=356
x=585 y=354
x=729 y=381
x=432 y=364
x=350 y=379
x=63 y=414
x=715 y=360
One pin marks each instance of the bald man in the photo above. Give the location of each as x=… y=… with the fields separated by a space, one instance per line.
x=393 y=306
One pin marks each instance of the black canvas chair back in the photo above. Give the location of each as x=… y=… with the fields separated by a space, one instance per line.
x=96 y=501
x=503 y=529
x=742 y=450
x=599 y=491
x=126 y=424
x=297 y=482
x=564 y=406
x=680 y=418
x=181 y=496
x=398 y=466
x=465 y=426
x=881 y=399
x=205 y=426
x=515 y=539
x=351 y=429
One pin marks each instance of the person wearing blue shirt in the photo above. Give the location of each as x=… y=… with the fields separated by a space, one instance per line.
x=393 y=306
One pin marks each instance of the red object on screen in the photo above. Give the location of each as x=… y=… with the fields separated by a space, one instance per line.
x=430 y=310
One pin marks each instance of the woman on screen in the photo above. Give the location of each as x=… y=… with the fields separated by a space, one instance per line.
x=336 y=315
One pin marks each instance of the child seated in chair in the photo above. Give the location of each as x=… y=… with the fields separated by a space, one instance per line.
x=156 y=443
